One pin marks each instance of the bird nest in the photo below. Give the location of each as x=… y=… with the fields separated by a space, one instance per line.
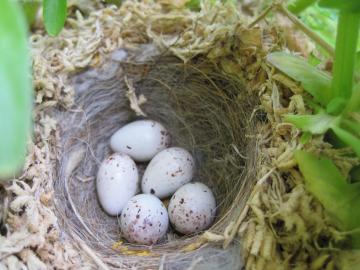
x=206 y=112
x=201 y=74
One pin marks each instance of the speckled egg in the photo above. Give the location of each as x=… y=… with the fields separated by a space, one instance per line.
x=141 y=139
x=144 y=220
x=192 y=208
x=117 y=181
x=167 y=171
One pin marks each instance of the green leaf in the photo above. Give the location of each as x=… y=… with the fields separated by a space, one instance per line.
x=54 y=13
x=30 y=11
x=16 y=88
x=305 y=138
x=336 y=106
x=349 y=5
x=114 y=2
x=193 y=5
x=298 y=6
x=315 y=124
x=355 y=174
x=322 y=21
x=354 y=102
x=351 y=126
x=348 y=138
x=357 y=65
x=314 y=81
x=324 y=180
x=331 y=138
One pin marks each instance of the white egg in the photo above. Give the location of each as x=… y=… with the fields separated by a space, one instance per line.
x=192 y=208
x=167 y=171
x=117 y=181
x=144 y=220
x=141 y=139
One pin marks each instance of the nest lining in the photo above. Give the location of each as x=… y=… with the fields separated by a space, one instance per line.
x=206 y=112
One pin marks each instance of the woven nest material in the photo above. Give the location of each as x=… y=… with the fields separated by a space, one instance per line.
x=206 y=112
x=204 y=76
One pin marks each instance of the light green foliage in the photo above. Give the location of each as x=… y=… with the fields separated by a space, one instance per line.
x=315 y=124
x=347 y=5
x=337 y=98
x=354 y=102
x=30 y=9
x=193 y=5
x=314 y=81
x=322 y=21
x=305 y=137
x=325 y=182
x=348 y=138
x=336 y=106
x=54 y=13
x=16 y=89
x=335 y=111
x=297 y=6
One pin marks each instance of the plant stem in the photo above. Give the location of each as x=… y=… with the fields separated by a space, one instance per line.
x=345 y=54
x=311 y=34
x=261 y=16
x=298 y=6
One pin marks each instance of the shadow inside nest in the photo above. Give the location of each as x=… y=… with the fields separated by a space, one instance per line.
x=208 y=113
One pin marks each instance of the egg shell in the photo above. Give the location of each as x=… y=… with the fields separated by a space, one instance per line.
x=141 y=139
x=117 y=181
x=192 y=208
x=167 y=171
x=144 y=220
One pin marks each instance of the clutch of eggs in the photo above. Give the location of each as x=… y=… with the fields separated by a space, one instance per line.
x=144 y=218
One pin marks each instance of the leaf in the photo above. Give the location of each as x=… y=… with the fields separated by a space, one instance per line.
x=348 y=138
x=314 y=81
x=315 y=124
x=54 y=13
x=305 y=138
x=357 y=65
x=298 y=6
x=113 y=2
x=348 y=5
x=354 y=102
x=336 y=106
x=193 y=5
x=331 y=138
x=324 y=180
x=16 y=88
x=30 y=11
x=351 y=126
x=355 y=174
x=322 y=21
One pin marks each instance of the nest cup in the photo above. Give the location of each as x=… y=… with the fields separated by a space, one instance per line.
x=206 y=111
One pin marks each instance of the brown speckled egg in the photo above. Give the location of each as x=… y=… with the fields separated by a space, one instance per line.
x=192 y=208
x=141 y=139
x=167 y=171
x=117 y=181
x=144 y=220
